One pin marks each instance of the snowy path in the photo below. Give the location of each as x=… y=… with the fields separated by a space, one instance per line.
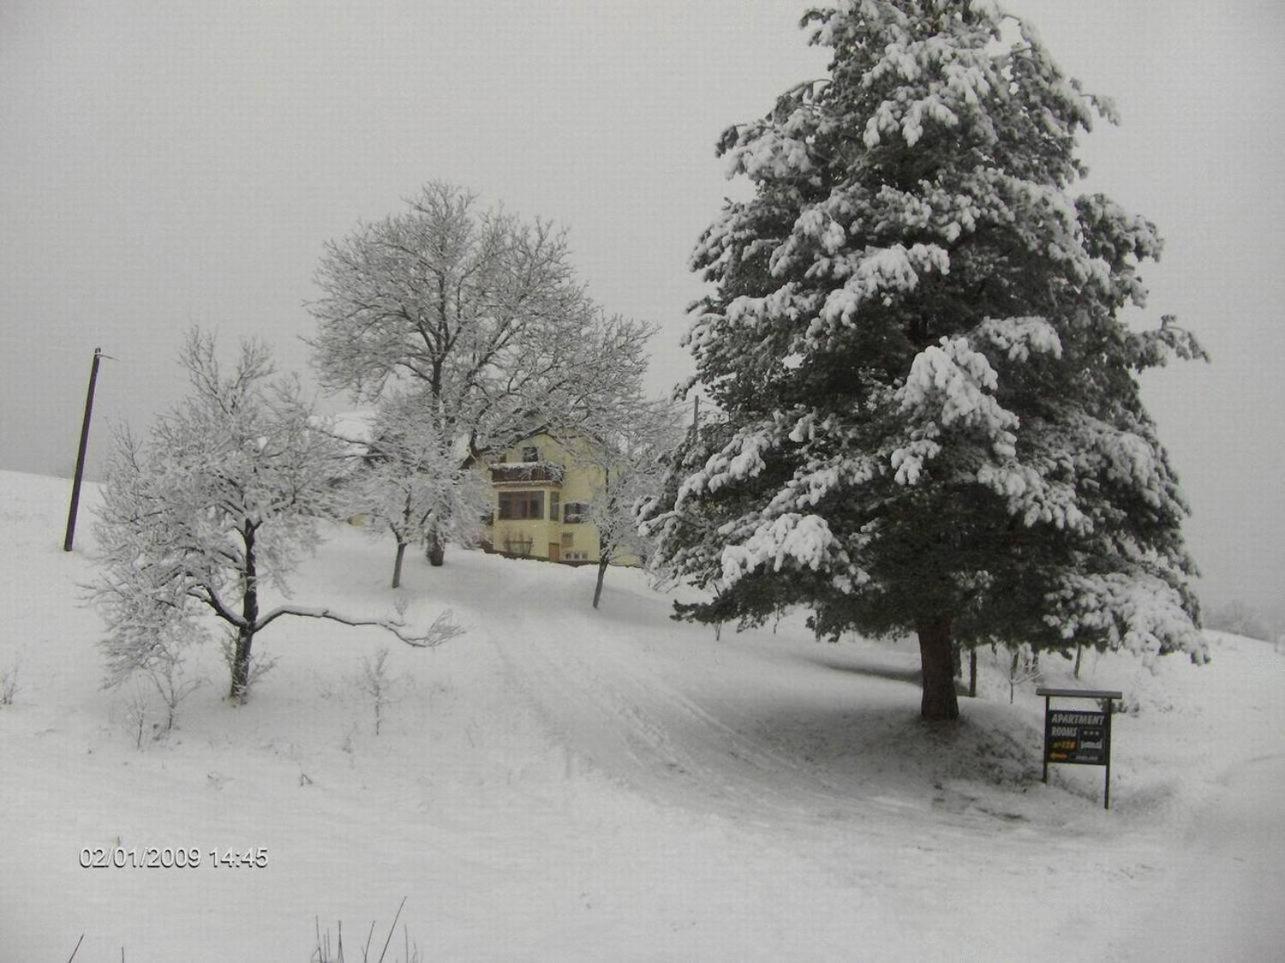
x=564 y=783
x=1225 y=895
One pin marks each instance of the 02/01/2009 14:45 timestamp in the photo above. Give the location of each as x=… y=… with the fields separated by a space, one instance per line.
x=172 y=857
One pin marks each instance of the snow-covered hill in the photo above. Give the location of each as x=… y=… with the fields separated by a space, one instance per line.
x=564 y=783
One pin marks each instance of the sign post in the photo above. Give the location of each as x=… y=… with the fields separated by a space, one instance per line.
x=1077 y=736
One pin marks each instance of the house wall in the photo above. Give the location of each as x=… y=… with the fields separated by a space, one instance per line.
x=579 y=484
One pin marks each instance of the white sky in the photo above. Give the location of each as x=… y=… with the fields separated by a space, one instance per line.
x=178 y=163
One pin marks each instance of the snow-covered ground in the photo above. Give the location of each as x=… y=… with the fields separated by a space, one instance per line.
x=564 y=783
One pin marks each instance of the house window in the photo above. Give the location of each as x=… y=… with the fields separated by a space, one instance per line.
x=516 y=545
x=521 y=505
x=530 y=454
x=575 y=512
x=568 y=539
x=553 y=505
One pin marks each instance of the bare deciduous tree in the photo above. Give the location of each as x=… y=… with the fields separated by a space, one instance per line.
x=221 y=498
x=479 y=309
x=412 y=482
x=628 y=447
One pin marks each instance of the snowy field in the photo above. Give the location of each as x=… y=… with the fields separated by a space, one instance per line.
x=565 y=784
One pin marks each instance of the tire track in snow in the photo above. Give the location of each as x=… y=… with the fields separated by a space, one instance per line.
x=1228 y=883
x=607 y=710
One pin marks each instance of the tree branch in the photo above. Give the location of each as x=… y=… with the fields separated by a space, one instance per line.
x=441 y=630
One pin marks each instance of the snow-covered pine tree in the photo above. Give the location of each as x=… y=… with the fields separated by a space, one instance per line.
x=219 y=501
x=931 y=414
x=411 y=481
x=479 y=309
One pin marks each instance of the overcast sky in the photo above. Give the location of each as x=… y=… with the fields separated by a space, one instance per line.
x=166 y=164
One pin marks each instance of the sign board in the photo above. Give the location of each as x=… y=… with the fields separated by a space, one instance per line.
x=1079 y=736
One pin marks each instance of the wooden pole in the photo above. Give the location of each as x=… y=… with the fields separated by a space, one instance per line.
x=1046 y=739
x=1106 y=788
x=80 y=455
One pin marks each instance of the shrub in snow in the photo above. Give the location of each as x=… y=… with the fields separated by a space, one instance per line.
x=8 y=684
x=379 y=687
x=222 y=498
x=330 y=949
x=932 y=419
x=136 y=714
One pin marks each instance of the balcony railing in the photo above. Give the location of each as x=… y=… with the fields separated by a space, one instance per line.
x=526 y=472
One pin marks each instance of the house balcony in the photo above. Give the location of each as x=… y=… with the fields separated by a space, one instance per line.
x=527 y=473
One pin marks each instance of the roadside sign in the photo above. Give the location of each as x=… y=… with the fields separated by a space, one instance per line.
x=1077 y=736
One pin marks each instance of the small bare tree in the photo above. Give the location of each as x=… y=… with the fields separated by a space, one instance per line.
x=627 y=448
x=413 y=483
x=378 y=686
x=221 y=499
x=160 y=658
x=8 y=683
x=1024 y=668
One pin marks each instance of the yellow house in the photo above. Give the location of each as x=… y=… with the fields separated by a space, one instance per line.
x=541 y=489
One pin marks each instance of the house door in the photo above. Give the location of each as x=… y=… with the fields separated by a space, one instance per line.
x=555 y=552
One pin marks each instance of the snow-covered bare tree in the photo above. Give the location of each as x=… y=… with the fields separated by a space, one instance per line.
x=933 y=420
x=412 y=482
x=481 y=311
x=219 y=501
x=627 y=451
x=1241 y=618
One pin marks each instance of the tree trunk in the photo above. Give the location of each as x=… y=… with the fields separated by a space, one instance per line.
x=602 y=573
x=250 y=614
x=397 y=564
x=1079 y=654
x=939 y=701
x=435 y=549
x=241 y=667
x=972 y=673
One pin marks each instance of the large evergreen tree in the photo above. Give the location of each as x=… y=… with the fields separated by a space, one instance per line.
x=931 y=418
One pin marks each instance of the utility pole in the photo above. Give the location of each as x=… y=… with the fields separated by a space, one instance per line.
x=80 y=455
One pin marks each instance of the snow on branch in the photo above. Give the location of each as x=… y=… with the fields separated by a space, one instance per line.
x=1034 y=497
x=442 y=629
x=951 y=383
x=1135 y=611
x=799 y=541
x=739 y=459
x=1154 y=349
x=1019 y=337
x=876 y=271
